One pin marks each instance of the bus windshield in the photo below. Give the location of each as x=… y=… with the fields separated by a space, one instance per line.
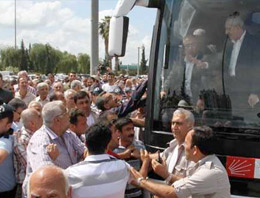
x=209 y=62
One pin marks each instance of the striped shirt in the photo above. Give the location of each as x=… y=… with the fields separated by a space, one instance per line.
x=99 y=176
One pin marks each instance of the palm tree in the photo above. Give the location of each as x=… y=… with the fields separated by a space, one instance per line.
x=104 y=32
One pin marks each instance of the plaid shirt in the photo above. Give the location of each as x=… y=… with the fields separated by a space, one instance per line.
x=21 y=140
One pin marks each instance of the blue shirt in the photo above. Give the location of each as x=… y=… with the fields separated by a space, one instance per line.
x=7 y=176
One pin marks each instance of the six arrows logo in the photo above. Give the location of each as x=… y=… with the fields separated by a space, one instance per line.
x=240 y=167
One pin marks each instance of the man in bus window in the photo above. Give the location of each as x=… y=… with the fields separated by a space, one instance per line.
x=242 y=59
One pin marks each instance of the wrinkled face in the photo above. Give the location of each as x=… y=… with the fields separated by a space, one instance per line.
x=180 y=127
x=43 y=92
x=4 y=125
x=188 y=150
x=58 y=87
x=127 y=133
x=63 y=120
x=232 y=31
x=84 y=104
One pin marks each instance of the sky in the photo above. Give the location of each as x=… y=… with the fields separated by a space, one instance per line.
x=65 y=25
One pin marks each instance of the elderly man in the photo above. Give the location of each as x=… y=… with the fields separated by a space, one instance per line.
x=7 y=176
x=58 y=86
x=24 y=74
x=42 y=91
x=23 y=92
x=242 y=58
x=53 y=131
x=207 y=179
x=32 y=121
x=69 y=97
x=173 y=158
x=49 y=181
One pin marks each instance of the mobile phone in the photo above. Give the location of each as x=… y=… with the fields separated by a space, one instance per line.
x=159 y=157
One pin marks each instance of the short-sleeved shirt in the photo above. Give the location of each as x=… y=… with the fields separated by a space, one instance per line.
x=7 y=176
x=99 y=176
x=182 y=165
x=208 y=179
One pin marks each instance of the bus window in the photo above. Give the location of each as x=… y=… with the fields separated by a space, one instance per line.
x=213 y=64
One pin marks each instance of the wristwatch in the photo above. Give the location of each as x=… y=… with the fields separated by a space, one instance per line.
x=169 y=178
x=139 y=179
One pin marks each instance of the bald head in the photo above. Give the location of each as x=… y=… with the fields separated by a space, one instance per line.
x=48 y=181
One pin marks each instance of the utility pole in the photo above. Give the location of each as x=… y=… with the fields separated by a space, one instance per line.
x=15 y=45
x=94 y=37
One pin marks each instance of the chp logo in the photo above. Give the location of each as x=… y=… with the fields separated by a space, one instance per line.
x=243 y=167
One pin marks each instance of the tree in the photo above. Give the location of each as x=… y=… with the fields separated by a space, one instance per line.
x=104 y=32
x=10 y=57
x=83 y=63
x=24 y=61
x=68 y=63
x=143 y=68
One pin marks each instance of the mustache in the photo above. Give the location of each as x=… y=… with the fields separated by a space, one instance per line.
x=132 y=135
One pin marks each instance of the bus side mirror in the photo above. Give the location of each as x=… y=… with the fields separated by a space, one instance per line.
x=118 y=31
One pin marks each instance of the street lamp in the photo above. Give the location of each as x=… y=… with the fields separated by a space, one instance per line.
x=15 y=24
x=138 y=64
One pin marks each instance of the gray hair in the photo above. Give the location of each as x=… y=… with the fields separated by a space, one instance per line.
x=235 y=20
x=63 y=173
x=189 y=117
x=34 y=102
x=50 y=111
x=41 y=85
x=75 y=83
x=28 y=115
x=68 y=92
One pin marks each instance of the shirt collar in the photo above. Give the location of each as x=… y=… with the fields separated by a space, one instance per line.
x=241 y=38
x=208 y=158
x=50 y=133
x=97 y=157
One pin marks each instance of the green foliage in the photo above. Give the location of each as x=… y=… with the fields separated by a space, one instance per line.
x=143 y=67
x=83 y=64
x=42 y=58
x=104 y=32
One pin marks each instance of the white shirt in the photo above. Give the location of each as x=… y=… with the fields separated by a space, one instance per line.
x=99 y=176
x=188 y=74
x=234 y=55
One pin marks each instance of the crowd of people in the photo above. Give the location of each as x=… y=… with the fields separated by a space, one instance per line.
x=84 y=138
